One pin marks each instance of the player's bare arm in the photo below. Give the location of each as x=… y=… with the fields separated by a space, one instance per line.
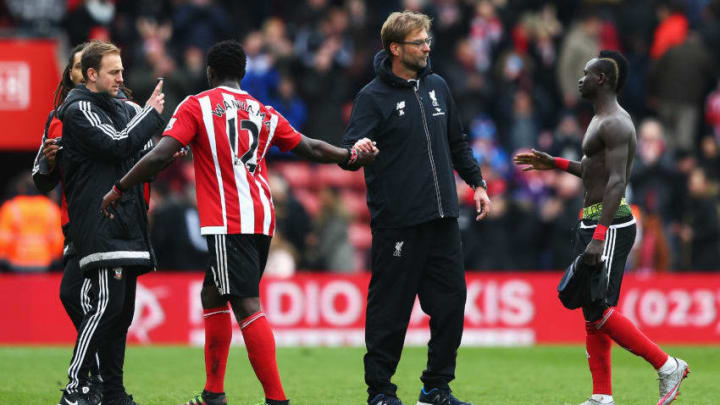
x=615 y=133
x=361 y=154
x=537 y=160
x=150 y=165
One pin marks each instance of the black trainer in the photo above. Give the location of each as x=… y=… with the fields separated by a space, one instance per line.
x=437 y=396
x=382 y=399
x=276 y=402
x=76 y=398
x=125 y=399
x=94 y=391
x=208 y=398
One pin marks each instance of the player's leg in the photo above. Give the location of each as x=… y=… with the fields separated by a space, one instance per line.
x=112 y=351
x=218 y=333
x=597 y=343
x=245 y=257
x=623 y=331
x=73 y=295
x=397 y=261
x=442 y=295
x=106 y=299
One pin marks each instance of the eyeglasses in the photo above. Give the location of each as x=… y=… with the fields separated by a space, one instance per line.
x=419 y=42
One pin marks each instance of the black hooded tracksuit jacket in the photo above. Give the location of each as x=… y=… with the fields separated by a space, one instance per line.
x=103 y=138
x=418 y=131
x=416 y=246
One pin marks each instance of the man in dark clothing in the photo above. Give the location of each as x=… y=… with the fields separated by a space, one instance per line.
x=416 y=251
x=102 y=137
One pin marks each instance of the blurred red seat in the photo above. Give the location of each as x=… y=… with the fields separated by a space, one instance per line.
x=297 y=174
x=334 y=176
x=360 y=235
x=308 y=199
x=356 y=204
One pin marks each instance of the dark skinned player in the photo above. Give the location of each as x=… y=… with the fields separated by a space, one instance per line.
x=607 y=231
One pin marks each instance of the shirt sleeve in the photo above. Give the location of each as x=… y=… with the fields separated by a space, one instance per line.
x=364 y=119
x=286 y=137
x=183 y=125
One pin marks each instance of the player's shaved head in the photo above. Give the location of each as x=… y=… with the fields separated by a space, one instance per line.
x=227 y=60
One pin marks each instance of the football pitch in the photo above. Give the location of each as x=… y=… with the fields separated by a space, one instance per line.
x=558 y=375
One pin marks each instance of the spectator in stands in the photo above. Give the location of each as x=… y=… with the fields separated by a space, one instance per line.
x=672 y=30
x=329 y=245
x=579 y=45
x=710 y=158
x=678 y=82
x=292 y=222
x=90 y=20
x=30 y=233
x=201 y=23
x=652 y=193
x=701 y=230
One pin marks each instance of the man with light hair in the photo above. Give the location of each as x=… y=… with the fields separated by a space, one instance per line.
x=409 y=113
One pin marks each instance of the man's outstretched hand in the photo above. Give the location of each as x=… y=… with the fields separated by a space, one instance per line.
x=111 y=199
x=536 y=159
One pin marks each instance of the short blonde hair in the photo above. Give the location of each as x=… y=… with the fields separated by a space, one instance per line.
x=399 y=24
x=93 y=53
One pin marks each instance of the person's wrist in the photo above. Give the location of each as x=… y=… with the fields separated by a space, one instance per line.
x=482 y=184
x=119 y=189
x=561 y=163
x=600 y=232
x=352 y=156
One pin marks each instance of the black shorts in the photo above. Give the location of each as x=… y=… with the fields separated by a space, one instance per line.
x=237 y=263
x=619 y=241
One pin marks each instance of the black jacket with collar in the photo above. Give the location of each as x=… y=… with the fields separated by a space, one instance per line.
x=417 y=128
x=102 y=140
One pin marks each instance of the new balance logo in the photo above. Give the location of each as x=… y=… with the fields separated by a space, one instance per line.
x=398 y=248
x=400 y=107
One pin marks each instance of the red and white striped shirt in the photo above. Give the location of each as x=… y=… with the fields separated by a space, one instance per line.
x=230 y=132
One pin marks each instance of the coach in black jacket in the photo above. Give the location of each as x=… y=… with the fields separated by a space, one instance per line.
x=102 y=139
x=409 y=113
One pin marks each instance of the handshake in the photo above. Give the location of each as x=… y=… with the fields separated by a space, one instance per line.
x=361 y=154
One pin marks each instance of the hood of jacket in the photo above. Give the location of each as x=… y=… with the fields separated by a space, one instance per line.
x=383 y=69
x=81 y=93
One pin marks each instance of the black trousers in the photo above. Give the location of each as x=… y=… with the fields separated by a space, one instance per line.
x=73 y=289
x=426 y=261
x=110 y=300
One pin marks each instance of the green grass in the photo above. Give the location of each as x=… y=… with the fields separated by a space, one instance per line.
x=555 y=375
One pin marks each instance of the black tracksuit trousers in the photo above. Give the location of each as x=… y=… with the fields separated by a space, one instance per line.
x=73 y=288
x=424 y=260
x=109 y=298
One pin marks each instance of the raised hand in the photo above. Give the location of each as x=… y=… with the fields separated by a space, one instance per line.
x=536 y=159
x=157 y=99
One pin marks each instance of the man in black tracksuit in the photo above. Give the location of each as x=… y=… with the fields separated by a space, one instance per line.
x=410 y=114
x=102 y=139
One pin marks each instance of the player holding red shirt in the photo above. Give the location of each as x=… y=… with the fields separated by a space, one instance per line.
x=230 y=133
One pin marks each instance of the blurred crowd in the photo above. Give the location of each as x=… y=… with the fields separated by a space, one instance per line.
x=513 y=68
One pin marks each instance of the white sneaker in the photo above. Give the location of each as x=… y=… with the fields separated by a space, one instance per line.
x=670 y=382
x=591 y=401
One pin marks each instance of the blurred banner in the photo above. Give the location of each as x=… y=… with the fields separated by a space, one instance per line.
x=321 y=309
x=28 y=77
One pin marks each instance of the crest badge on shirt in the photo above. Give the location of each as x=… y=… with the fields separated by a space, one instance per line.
x=438 y=110
x=117 y=273
x=400 y=107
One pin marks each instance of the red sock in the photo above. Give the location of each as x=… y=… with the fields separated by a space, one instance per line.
x=598 y=346
x=627 y=335
x=260 y=344
x=218 y=334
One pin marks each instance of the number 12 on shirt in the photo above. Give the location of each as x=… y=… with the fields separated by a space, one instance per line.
x=249 y=157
